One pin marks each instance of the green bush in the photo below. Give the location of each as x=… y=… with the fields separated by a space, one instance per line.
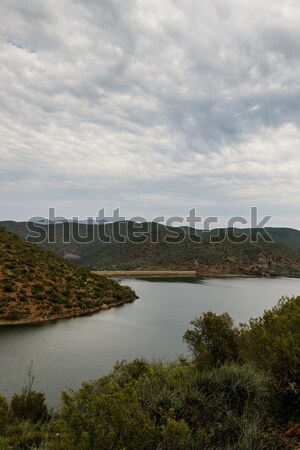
x=24 y=435
x=145 y=405
x=112 y=419
x=125 y=410
x=5 y=416
x=4 y=445
x=8 y=288
x=29 y=405
x=13 y=314
x=272 y=343
x=228 y=403
x=213 y=339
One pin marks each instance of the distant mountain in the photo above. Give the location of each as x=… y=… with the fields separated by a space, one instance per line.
x=288 y=236
x=90 y=220
x=36 y=285
x=221 y=251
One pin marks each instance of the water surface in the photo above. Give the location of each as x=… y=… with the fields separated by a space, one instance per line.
x=66 y=352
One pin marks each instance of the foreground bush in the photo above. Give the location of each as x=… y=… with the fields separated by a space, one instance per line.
x=21 y=424
x=29 y=405
x=155 y=406
x=234 y=401
x=272 y=343
x=4 y=415
x=115 y=413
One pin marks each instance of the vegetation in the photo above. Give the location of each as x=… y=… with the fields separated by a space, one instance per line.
x=213 y=340
x=37 y=285
x=272 y=342
x=235 y=394
x=153 y=248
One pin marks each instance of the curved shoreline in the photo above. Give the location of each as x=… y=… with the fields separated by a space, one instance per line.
x=175 y=274
x=145 y=273
x=84 y=312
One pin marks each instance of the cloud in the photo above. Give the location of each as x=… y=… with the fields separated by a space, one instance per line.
x=132 y=103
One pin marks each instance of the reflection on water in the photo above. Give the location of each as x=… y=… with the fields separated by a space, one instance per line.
x=66 y=352
x=170 y=280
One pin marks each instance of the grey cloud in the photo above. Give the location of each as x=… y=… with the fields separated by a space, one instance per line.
x=139 y=100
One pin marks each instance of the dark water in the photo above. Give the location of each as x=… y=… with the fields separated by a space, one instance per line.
x=64 y=353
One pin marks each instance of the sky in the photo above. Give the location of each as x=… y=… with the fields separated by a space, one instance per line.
x=155 y=107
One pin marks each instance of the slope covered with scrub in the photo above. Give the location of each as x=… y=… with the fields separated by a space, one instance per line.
x=125 y=246
x=37 y=285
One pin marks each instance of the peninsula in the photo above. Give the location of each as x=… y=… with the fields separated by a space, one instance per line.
x=37 y=286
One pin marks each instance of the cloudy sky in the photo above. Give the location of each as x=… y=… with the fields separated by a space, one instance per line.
x=153 y=106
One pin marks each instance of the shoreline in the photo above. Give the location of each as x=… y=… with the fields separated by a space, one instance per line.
x=85 y=312
x=170 y=274
x=146 y=273
x=180 y=274
x=126 y=274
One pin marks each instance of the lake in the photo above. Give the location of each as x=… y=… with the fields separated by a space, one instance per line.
x=66 y=352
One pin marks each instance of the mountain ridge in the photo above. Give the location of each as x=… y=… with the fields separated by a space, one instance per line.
x=228 y=254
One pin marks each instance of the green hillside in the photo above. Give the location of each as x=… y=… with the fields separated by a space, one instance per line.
x=37 y=285
x=160 y=248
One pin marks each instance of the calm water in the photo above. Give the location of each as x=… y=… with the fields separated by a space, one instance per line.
x=64 y=353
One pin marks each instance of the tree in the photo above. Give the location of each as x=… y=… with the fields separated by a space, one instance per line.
x=213 y=340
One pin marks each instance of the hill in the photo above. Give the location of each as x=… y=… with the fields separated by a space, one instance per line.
x=36 y=285
x=119 y=246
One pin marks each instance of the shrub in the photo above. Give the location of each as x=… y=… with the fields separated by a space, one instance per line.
x=29 y=405
x=157 y=406
x=213 y=340
x=272 y=343
x=4 y=445
x=112 y=419
x=24 y=435
x=13 y=315
x=4 y=415
x=231 y=402
x=8 y=288
x=38 y=296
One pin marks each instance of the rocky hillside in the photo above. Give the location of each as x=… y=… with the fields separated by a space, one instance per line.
x=36 y=285
x=160 y=248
